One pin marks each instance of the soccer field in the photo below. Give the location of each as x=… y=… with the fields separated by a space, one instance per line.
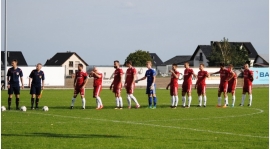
x=209 y=127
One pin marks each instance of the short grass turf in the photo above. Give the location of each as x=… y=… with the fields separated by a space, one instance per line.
x=210 y=127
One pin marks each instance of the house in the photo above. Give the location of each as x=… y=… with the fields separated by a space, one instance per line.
x=156 y=60
x=261 y=60
x=69 y=60
x=203 y=51
x=11 y=55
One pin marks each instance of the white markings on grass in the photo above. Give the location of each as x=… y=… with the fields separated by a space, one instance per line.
x=161 y=126
x=259 y=111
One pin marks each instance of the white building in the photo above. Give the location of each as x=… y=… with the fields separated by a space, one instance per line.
x=69 y=60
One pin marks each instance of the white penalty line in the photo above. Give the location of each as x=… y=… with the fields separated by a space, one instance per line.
x=154 y=125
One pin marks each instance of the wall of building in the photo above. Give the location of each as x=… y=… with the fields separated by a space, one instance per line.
x=74 y=67
x=196 y=61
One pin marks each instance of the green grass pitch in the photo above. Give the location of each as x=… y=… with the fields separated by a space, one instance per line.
x=210 y=127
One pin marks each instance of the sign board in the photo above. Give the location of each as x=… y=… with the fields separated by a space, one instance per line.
x=54 y=76
x=261 y=75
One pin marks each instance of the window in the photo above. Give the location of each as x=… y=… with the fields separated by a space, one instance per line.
x=70 y=72
x=70 y=64
x=76 y=63
x=201 y=57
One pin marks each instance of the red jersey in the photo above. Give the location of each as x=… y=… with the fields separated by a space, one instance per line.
x=188 y=75
x=117 y=76
x=174 y=80
x=247 y=77
x=80 y=77
x=224 y=75
x=130 y=75
x=201 y=77
x=230 y=75
x=97 y=81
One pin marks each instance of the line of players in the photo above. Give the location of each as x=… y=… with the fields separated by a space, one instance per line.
x=228 y=82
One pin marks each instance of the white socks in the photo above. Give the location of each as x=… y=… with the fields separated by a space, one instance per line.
x=129 y=97
x=250 y=99
x=119 y=101
x=204 y=100
x=83 y=103
x=226 y=100
x=243 y=99
x=233 y=100
x=176 y=100
x=219 y=101
x=172 y=101
x=99 y=102
x=184 y=100
x=72 y=101
x=200 y=100
x=189 y=101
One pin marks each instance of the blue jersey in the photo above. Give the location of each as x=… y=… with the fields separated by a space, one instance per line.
x=14 y=76
x=149 y=74
x=36 y=77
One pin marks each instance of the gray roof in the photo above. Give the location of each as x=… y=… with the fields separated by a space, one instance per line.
x=179 y=60
x=11 y=55
x=60 y=58
x=265 y=58
x=206 y=49
x=157 y=61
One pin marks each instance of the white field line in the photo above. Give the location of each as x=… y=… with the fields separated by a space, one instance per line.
x=207 y=118
x=154 y=125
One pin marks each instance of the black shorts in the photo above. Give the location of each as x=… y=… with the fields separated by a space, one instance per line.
x=14 y=89
x=35 y=90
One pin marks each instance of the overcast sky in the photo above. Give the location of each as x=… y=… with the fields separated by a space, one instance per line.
x=102 y=31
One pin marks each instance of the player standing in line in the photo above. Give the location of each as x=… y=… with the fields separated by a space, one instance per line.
x=14 y=74
x=130 y=84
x=117 y=85
x=248 y=78
x=80 y=81
x=232 y=83
x=150 y=74
x=201 y=86
x=97 y=84
x=174 y=86
x=36 y=84
x=223 y=86
x=187 y=85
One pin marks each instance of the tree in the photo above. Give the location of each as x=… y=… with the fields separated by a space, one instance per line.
x=228 y=53
x=139 y=58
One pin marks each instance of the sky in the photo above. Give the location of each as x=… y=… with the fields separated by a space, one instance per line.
x=102 y=31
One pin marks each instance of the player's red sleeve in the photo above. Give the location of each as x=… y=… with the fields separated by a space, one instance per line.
x=134 y=71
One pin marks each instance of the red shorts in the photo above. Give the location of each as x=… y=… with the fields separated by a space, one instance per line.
x=97 y=90
x=187 y=87
x=78 y=90
x=173 y=90
x=223 y=87
x=232 y=86
x=247 y=88
x=117 y=90
x=201 y=89
x=130 y=88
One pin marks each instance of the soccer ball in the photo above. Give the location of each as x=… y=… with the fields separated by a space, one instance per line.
x=3 y=108
x=23 y=108
x=45 y=108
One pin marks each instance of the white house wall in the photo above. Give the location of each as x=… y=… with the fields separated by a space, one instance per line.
x=73 y=58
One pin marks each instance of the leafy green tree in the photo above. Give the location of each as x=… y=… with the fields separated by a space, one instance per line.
x=139 y=58
x=228 y=53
